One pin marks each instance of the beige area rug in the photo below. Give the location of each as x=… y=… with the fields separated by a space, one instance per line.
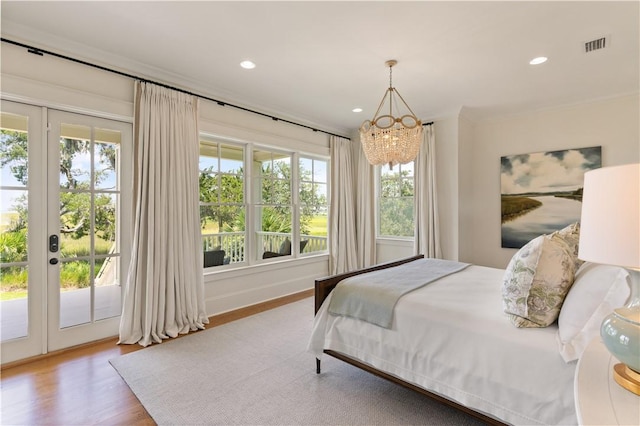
x=256 y=371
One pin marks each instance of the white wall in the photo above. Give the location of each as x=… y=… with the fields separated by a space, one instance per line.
x=613 y=124
x=60 y=84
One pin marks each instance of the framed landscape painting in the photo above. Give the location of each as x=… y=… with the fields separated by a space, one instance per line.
x=541 y=192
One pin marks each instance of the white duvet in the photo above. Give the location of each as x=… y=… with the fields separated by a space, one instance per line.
x=452 y=338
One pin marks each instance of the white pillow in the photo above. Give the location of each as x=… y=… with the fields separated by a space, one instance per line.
x=596 y=292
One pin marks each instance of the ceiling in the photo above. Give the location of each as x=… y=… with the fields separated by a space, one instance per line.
x=316 y=61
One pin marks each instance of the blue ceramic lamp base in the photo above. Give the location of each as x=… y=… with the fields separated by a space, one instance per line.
x=620 y=333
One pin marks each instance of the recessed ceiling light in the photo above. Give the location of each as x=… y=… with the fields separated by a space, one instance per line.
x=248 y=65
x=539 y=60
x=357 y=110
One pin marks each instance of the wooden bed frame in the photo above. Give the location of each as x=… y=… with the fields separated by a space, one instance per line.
x=324 y=286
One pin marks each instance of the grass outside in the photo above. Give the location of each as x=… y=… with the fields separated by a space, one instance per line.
x=318 y=226
x=10 y=295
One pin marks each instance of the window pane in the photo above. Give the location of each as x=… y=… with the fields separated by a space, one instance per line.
x=231 y=189
x=75 y=292
x=395 y=202
x=13 y=151
x=407 y=168
x=320 y=171
x=396 y=217
x=107 y=291
x=313 y=205
x=75 y=222
x=208 y=164
x=232 y=159
x=389 y=187
x=209 y=185
x=393 y=171
x=306 y=169
x=75 y=159
x=406 y=189
x=274 y=230
x=282 y=167
x=13 y=226
x=105 y=225
x=105 y=163
x=275 y=191
x=222 y=215
x=14 y=313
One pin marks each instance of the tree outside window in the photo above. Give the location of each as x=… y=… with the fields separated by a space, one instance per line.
x=395 y=201
x=222 y=212
x=274 y=227
x=313 y=200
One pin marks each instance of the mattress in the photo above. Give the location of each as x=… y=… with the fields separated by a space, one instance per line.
x=451 y=337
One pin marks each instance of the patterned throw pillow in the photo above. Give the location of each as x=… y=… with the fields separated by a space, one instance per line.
x=537 y=281
x=571 y=235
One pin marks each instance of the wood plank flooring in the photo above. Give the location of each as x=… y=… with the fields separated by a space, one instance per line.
x=78 y=386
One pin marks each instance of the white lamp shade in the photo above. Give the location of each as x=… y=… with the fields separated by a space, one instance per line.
x=610 y=222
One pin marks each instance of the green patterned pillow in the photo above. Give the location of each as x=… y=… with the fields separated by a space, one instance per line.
x=537 y=280
x=571 y=235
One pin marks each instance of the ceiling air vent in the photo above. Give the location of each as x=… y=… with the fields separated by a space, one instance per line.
x=597 y=44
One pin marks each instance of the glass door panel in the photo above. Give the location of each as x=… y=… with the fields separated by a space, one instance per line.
x=86 y=157
x=22 y=216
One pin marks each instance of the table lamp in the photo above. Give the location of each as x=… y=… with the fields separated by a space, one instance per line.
x=610 y=234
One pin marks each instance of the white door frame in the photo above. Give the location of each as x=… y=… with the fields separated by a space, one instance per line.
x=34 y=343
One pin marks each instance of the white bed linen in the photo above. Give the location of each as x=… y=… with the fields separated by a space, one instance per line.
x=451 y=337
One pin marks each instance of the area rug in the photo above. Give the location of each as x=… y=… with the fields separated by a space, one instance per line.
x=256 y=371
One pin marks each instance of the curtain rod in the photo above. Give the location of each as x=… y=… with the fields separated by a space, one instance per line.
x=41 y=52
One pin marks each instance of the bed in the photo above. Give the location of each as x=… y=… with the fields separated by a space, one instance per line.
x=450 y=340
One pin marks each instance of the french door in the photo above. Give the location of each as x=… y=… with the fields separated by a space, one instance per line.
x=68 y=189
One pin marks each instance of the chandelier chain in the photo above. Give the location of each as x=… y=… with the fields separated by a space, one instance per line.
x=390 y=91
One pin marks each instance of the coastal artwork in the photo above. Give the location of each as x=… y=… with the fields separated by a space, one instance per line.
x=541 y=192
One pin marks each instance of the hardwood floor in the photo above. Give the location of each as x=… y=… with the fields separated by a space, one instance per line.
x=78 y=386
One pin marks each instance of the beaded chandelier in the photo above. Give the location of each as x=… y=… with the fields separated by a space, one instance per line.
x=387 y=139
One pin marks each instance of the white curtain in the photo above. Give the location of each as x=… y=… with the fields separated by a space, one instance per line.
x=164 y=291
x=365 y=208
x=427 y=227
x=342 y=229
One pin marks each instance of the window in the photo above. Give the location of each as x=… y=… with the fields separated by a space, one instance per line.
x=313 y=201
x=222 y=212
x=284 y=212
x=395 y=201
x=273 y=204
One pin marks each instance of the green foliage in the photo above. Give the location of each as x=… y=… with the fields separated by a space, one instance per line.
x=396 y=217
x=13 y=246
x=13 y=278
x=221 y=197
x=13 y=152
x=76 y=274
x=75 y=207
x=396 y=205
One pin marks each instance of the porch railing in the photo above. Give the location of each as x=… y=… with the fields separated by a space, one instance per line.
x=233 y=243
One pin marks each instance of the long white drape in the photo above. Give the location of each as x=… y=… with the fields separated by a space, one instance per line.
x=342 y=228
x=365 y=208
x=164 y=291
x=427 y=227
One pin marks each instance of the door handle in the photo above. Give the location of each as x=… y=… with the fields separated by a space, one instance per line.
x=53 y=261
x=53 y=243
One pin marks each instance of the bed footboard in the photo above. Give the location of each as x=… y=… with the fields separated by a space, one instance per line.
x=323 y=286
